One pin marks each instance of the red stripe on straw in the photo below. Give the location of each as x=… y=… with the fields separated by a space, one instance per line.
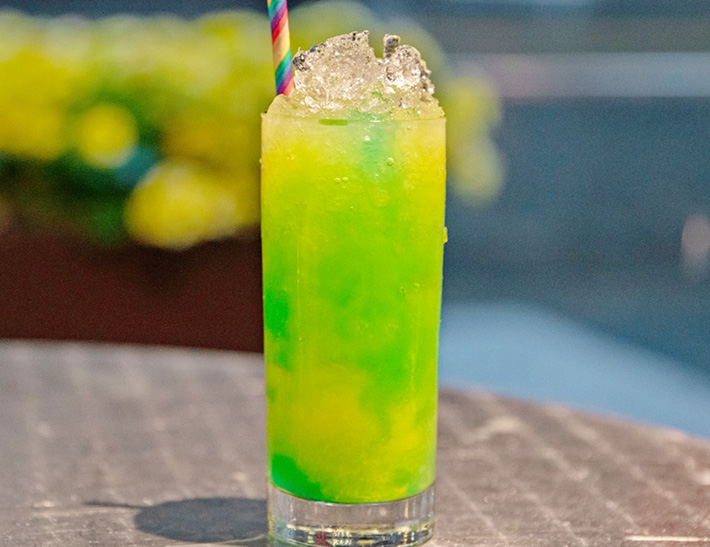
x=278 y=28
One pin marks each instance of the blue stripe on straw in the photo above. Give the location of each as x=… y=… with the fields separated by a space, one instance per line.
x=283 y=67
x=281 y=88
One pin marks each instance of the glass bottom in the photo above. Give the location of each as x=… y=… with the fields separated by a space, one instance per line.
x=298 y=521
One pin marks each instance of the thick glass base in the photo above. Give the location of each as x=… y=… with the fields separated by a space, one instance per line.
x=298 y=521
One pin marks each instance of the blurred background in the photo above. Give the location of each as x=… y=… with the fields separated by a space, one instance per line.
x=578 y=263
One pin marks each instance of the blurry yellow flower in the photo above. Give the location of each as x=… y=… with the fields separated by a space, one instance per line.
x=472 y=109
x=29 y=76
x=106 y=134
x=476 y=169
x=195 y=137
x=38 y=85
x=68 y=44
x=31 y=131
x=218 y=139
x=180 y=204
x=163 y=57
x=244 y=188
x=245 y=34
x=472 y=102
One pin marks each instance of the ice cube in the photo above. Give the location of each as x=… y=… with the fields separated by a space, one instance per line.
x=342 y=78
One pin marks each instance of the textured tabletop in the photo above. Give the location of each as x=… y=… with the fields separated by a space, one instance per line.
x=129 y=446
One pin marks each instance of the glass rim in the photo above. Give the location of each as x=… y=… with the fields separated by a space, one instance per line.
x=350 y=121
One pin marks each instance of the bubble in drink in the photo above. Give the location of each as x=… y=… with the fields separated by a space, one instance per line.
x=342 y=78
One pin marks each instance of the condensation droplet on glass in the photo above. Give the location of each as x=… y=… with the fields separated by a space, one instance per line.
x=390 y=161
x=367 y=138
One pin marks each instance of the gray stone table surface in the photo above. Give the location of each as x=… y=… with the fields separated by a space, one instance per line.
x=142 y=446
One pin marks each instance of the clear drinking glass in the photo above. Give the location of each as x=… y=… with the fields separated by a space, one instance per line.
x=352 y=234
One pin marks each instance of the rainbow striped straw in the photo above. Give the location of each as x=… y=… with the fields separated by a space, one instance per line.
x=278 y=15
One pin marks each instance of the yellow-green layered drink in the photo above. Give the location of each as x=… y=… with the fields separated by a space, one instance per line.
x=353 y=185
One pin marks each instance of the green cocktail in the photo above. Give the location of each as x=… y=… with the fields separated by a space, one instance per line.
x=353 y=234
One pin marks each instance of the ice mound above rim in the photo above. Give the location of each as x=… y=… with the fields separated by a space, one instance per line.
x=343 y=79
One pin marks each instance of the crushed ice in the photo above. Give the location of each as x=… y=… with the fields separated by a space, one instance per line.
x=342 y=78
